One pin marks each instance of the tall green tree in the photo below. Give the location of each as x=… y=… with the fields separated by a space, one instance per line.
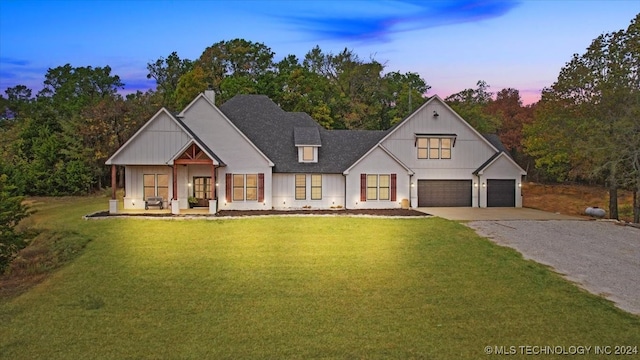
x=296 y=88
x=16 y=103
x=70 y=89
x=403 y=94
x=471 y=104
x=50 y=155
x=190 y=85
x=167 y=72
x=588 y=117
x=229 y=68
x=12 y=210
x=355 y=87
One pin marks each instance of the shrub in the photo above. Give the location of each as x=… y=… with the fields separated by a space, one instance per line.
x=12 y=210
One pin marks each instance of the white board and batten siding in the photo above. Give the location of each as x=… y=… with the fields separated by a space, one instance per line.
x=159 y=140
x=284 y=190
x=377 y=162
x=501 y=169
x=469 y=151
x=224 y=139
x=232 y=147
x=134 y=185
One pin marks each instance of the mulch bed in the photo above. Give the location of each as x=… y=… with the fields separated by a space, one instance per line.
x=372 y=212
x=236 y=213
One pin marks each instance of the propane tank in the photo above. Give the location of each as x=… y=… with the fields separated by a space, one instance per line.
x=595 y=212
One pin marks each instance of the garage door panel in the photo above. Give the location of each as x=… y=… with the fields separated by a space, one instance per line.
x=444 y=193
x=501 y=193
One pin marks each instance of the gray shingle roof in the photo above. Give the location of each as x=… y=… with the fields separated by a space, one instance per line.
x=306 y=136
x=494 y=139
x=275 y=132
x=497 y=143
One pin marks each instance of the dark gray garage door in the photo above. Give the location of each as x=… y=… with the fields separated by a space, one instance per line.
x=436 y=193
x=501 y=193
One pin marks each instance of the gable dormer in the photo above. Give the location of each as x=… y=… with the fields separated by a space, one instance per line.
x=307 y=141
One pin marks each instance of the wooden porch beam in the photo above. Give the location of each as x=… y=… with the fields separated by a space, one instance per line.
x=193 y=162
x=113 y=182
x=213 y=182
x=175 y=182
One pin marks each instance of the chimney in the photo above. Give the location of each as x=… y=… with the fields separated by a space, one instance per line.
x=210 y=94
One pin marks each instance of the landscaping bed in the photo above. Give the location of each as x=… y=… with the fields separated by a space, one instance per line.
x=240 y=213
x=372 y=212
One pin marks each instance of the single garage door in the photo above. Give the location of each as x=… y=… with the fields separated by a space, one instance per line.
x=501 y=193
x=440 y=193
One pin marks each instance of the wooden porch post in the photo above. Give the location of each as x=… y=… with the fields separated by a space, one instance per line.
x=213 y=182
x=113 y=182
x=175 y=181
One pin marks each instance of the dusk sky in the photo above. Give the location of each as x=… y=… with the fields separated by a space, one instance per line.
x=450 y=44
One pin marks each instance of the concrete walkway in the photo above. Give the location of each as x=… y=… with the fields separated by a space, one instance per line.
x=477 y=214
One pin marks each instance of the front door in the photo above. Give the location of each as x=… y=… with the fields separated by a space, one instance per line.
x=202 y=190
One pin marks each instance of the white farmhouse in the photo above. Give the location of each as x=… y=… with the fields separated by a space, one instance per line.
x=249 y=154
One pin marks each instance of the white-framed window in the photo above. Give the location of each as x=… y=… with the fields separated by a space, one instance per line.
x=378 y=186
x=372 y=187
x=316 y=187
x=251 y=187
x=301 y=187
x=384 y=185
x=155 y=185
x=433 y=148
x=307 y=153
x=238 y=187
x=241 y=187
x=245 y=186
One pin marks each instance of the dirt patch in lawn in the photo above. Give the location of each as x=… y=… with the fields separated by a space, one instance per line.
x=572 y=199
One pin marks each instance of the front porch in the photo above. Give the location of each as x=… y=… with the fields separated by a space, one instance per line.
x=189 y=180
x=155 y=211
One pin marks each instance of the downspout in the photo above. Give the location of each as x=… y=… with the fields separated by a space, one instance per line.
x=344 y=194
x=410 y=194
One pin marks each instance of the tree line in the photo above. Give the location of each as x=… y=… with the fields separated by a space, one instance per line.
x=586 y=126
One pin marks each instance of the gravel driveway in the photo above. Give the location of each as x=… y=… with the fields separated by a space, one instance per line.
x=600 y=256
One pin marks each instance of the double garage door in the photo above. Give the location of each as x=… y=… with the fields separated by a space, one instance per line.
x=458 y=193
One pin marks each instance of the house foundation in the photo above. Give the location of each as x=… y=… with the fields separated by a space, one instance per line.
x=113 y=206
x=175 y=207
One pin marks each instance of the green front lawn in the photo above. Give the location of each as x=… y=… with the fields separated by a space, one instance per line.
x=295 y=287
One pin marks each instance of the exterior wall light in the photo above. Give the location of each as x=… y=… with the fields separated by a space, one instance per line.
x=435 y=114
x=483 y=185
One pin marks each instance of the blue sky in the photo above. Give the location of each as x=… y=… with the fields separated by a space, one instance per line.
x=451 y=44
